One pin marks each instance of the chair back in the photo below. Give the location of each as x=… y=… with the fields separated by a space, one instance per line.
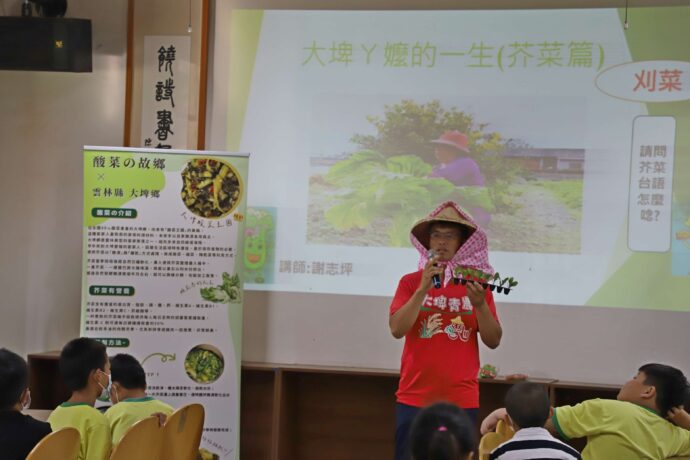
x=182 y=433
x=142 y=441
x=58 y=445
x=492 y=440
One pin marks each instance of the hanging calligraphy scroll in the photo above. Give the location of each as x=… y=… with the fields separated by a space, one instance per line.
x=165 y=95
x=167 y=64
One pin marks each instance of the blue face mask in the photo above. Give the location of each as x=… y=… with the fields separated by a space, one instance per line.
x=105 y=393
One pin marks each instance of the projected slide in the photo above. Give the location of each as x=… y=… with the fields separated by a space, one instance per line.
x=564 y=135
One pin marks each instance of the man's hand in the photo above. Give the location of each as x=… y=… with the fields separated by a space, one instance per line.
x=402 y=320
x=430 y=269
x=491 y=420
x=476 y=294
x=679 y=417
x=489 y=329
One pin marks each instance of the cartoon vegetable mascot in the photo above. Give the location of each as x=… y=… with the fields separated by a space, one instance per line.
x=256 y=243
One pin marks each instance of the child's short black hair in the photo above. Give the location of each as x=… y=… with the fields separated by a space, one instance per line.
x=671 y=385
x=78 y=358
x=126 y=370
x=441 y=431
x=528 y=404
x=14 y=377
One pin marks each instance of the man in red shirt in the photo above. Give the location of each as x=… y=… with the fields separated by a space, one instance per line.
x=440 y=360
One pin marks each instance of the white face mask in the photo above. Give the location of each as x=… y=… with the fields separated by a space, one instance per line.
x=27 y=403
x=105 y=393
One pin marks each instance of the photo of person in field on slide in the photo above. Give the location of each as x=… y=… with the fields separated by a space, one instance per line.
x=527 y=199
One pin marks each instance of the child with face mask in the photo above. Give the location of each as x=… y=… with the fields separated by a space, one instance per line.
x=85 y=369
x=128 y=395
x=18 y=433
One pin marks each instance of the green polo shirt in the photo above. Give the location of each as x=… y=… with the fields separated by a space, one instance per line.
x=92 y=426
x=621 y=430
x=126 y=413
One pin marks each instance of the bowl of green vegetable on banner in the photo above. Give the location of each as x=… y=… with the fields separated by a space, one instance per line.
x=204 y=364
x=211 y=188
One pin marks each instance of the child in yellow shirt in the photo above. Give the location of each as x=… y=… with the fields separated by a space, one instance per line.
x=86 y=372
x=128 y=395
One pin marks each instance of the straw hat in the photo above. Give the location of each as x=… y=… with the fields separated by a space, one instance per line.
x=448 y=213
x=454 y=139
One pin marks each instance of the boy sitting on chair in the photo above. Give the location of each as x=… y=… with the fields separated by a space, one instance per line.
x=647 y=421
x=19 y=433
x=529 y=408
x=128 y=395
x=85 y=369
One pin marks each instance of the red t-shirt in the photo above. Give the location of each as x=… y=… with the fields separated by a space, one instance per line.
x=440 y=364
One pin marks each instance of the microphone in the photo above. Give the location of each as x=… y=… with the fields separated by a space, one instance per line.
x=436 y=279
